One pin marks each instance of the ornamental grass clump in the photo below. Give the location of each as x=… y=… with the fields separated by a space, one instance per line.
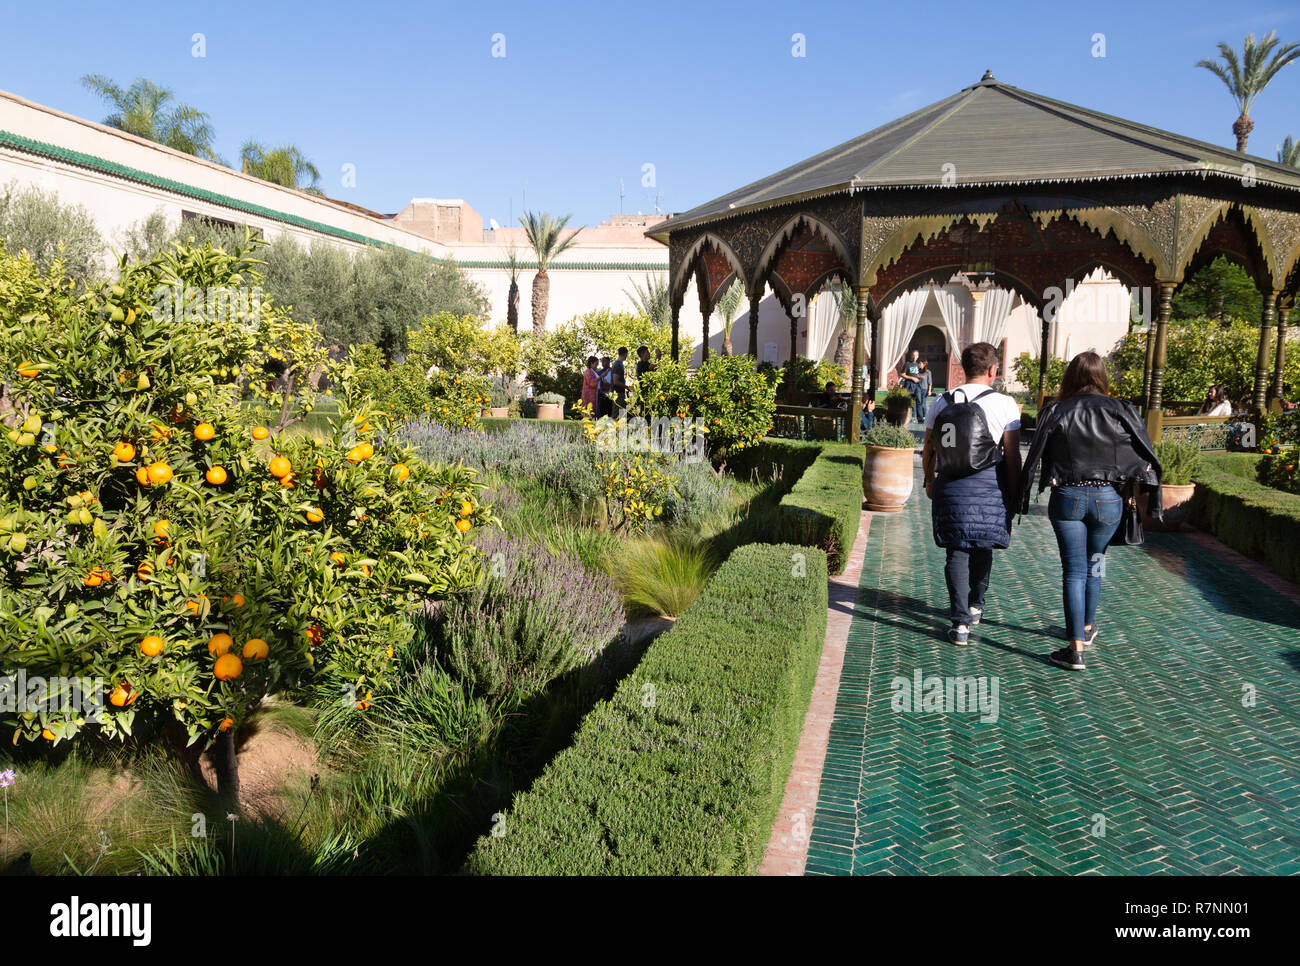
x=1178 y=462
x=536 y=616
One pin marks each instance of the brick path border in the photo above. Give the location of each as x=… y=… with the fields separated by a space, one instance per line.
x=1252 y=567
x=787 y=849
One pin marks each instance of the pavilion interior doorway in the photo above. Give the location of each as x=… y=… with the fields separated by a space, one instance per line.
x=930 y=342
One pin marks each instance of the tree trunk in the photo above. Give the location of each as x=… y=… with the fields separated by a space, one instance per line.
x=226 y=764
x=541 y=300
x=1242 y=128
x=844 y=352
x=512 y=306
x=726 y=340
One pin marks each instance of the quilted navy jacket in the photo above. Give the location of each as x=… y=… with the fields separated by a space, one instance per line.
x=972 y=511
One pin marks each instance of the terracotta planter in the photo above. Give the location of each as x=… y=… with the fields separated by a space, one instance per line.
x=500 y=412
x=887 y=478
x=897 y=410
x=550 y=411
x=1177 y=501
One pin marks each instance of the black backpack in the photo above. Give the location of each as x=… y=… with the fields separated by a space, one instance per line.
x=962 y=441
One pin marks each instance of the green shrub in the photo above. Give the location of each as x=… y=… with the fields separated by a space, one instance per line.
x=893 y=437
x=35 y=222
x=1025 y=369
x=682 y=772
x=823 y=509
x=1243 y=465
x=662 y=576
x=498 y=397
x=736 y=401
x=1253 y=519
x=1178 y=462
x=537 y=615
x=550 y=399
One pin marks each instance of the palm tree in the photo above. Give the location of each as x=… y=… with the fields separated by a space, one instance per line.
x=286 y=166
x=653 y=300
x=1247 y=77
x=729 y=307
x=544 y=233
x=1289 y=152
x=149 y=111
x=848 y=305
x=512 y=299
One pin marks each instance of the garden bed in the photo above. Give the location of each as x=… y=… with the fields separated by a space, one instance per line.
x=1254 y=519
x=682 y=771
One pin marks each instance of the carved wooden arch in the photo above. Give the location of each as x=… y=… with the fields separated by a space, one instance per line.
x=783 y=236
x=1278 y=235
x=698 y=250
x=1123 y=275
x=942 y=275
x=1234 y=236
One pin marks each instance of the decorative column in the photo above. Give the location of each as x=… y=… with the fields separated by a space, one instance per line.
x=1044 y=354
x=1279 y=360
x=1259 y=398
x=874 y=382
x=706 y=309
x=755 y=297
x=859 y=360
x=1155 y=412
x=677 y=310
x=1146 y=365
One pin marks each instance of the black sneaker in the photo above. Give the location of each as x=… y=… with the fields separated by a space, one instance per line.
x=1068 y=658
x=959 y=634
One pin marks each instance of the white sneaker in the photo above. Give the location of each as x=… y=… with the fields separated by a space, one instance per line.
x=975 y=614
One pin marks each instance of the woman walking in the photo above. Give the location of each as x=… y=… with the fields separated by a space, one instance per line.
x=1095 y=452
x=590 y=383
x=923 y=390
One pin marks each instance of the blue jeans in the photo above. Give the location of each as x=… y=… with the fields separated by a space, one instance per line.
x=1084 y=518
x=920 y=404
x=966 y=572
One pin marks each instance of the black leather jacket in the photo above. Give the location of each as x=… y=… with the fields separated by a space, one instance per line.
x=1091 y=437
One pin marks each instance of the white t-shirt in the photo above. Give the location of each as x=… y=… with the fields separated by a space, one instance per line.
x=1222 y=409
x=1001 y=411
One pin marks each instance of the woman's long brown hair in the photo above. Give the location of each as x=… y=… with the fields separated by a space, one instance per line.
x=1085 y=373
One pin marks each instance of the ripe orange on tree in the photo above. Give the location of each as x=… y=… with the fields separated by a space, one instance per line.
x=463 y=525
x=226 y=724
x=220 y=643
x=256 y=649
x=122 y=695
x=314 y=515
x=228 y=667
x=123 y=452
x=28 y=370
x=142 y=476
x=279 y=467
x=260 y=432
x=204 y=432
x=152 y=645
x=216 y=475
x=159 y=473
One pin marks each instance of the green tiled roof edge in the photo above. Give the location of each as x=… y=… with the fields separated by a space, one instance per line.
x=30 y=146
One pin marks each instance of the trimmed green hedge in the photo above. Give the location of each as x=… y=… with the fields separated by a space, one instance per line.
x=823 y=509
x=682 y=772
x=1244 y=465
x=1256 y=520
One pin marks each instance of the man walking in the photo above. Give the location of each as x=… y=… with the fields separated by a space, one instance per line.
x=620 y=378
x=910 y=377
x=971 y=467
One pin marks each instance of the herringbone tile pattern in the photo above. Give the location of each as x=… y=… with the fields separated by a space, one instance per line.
x=1177 y=751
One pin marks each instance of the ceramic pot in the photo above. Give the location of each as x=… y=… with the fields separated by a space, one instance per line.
x=887 y=478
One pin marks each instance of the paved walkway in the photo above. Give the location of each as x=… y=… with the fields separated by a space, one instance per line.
x=1173 y=753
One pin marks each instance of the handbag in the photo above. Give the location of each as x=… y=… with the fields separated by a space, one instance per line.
x=1129 y=532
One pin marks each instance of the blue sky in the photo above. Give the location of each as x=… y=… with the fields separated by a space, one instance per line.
x=707 y=92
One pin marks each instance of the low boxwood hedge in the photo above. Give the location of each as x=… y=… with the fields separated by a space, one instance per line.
x=682 y=772
x=1256 y=520
x=823 y=509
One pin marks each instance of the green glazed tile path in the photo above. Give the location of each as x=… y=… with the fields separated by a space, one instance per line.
x=1148 y=762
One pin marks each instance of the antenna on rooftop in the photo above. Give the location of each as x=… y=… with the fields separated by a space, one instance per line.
x=658 y=210
x=621 y=194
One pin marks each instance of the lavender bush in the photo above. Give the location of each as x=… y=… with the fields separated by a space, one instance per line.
x=521 y=450
x=537 y=615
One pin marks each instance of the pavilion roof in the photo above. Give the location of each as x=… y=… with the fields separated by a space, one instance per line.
x=992 y=134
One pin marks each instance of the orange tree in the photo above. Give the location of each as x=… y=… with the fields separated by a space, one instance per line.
x=155 y=540
x=735 y=400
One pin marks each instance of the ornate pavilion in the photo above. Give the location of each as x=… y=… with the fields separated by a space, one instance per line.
x=1004 y=186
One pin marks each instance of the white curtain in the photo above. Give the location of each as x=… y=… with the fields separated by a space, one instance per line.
x=823 y=323
x=953 y=312
x=991 y=320
x=898 y=325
